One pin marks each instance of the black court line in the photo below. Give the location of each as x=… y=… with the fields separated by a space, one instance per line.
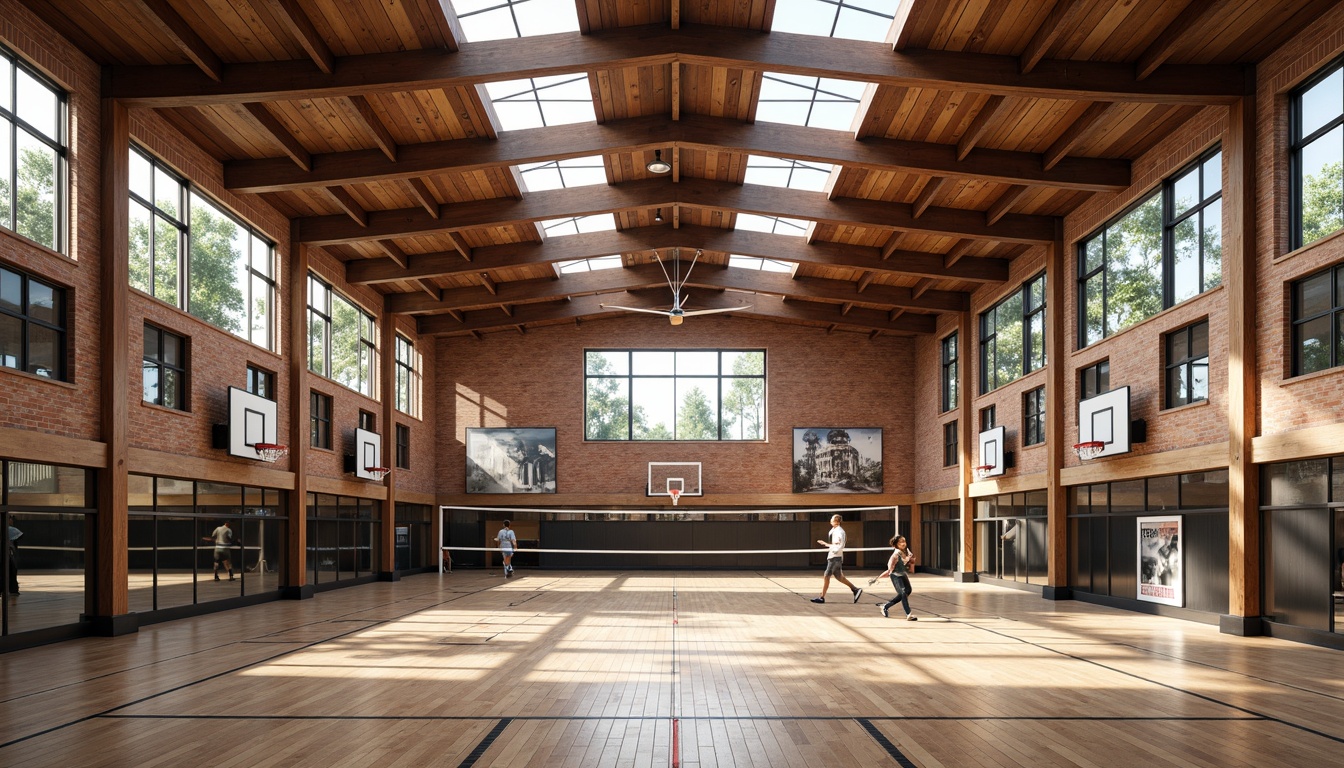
x=715 y=718
x=489 y=739
x=886 y=744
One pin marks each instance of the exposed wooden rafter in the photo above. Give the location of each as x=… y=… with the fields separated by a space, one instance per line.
x=1061 y=16
x=290 y=15
x=272 y=127
x=175 y=28
x=1074 y=133
x=375 y=128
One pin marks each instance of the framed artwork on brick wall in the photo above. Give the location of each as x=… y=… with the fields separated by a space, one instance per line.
x=511 y=460
x=837 y=460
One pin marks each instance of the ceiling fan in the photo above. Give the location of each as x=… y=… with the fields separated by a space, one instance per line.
x=676 y=281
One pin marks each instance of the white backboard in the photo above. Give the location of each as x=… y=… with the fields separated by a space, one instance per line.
x=252 y=420
x=1105 y=419
x=673 y=474
x=993 y=443
x=368 y=453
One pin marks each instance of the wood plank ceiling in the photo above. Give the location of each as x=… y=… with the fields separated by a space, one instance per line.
x=981 y=124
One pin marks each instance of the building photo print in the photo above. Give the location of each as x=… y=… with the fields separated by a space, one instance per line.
x=837 y=460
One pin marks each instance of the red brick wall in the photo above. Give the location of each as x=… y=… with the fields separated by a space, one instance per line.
x=31 y=402
x=1287 y=402
x=930 y=474
x=422 y=476
x=813 y=379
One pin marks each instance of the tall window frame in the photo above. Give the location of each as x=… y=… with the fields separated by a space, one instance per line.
x=409 y=381
x=1012 y=336
x=261 y=382
x=1318 y=321
x=1176 y=231
x=188 y=250
x=164 y=369
x=319 y=420
x=1033 y=416
x=1187 y=364
x=951 y=452
x=1316 y=155
x=989 y=418
x=403 y=443
x=342 y=338
x=34 y=127
x=32 y=325
x=627 y=393
x=951 y=383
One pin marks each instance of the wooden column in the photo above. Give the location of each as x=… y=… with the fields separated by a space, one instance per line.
x=1239 y=281
x=916 y=537
x=296 y=570
x=965 y=434
x=387 y=375
x=1057 y=498
x=111 y=604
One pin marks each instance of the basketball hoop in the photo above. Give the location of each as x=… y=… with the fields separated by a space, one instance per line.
x=675 y=493
x=1089 y=450
x=983 y=471
x=271 y=452
x=378 y=472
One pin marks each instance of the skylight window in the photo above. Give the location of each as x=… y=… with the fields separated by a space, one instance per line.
x=563 y=174
x=588 y=265
x=790 y=174
x=776 y=225
x=758 y=264
x=850 y=19
x=536 y=102
x=819 y=102
x=573 y=225
x=505 y=19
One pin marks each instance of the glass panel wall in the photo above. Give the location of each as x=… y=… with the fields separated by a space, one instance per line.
x=940 y=535
x=343 y=536
x=1304 y=543
x=415 y=545
x=48 y=516
x=1011 y=537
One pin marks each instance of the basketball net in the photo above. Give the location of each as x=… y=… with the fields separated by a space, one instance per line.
x=675 y=493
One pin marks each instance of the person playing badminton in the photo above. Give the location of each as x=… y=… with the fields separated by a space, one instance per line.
x=898 y=566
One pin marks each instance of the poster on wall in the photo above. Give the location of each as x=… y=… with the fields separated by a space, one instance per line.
x=511 y=460
x=1160 y=560
x=837 y=460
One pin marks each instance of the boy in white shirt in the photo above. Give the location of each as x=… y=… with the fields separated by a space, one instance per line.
x=835 y=561
x=508 y=542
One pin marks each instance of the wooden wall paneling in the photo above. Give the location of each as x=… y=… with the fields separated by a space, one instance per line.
x=1239 y=263
x=297 y=541
x=387 y=374
x=53 y=449
x=1199 y=458
x=111 y=602
x=1008 y=484
x=150 y=462
x=1308 y=443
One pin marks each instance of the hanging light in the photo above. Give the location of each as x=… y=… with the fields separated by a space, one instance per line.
x=659 y=165
x=658 y=217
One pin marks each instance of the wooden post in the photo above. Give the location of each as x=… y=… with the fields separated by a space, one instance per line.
x=1057 y=499
x=965 y=433
x=387 y=375
x=111 y=606
x=296 y=571
x=1239 y=281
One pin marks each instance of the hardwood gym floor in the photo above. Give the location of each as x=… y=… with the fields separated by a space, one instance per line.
x=644 y=668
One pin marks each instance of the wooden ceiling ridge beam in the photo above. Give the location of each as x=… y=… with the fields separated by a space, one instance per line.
x=171 y=24
x=271 y=126
x=689 y=193
x=290 y=14
x=759 y=244
x=652 y=45
x=640 y=134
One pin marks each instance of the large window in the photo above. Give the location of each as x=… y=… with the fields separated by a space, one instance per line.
x=340 y=338
x=33 y=141
x=1165 y=250
x=692 y=394
x=408 y=378
x=1012 y=336
x=1318 y=321
x=1033 y=417
x=164 y=378
x=949 y=346
x=1317 y=153
x=187 y=251
x=1188 y=365
x=32 y=325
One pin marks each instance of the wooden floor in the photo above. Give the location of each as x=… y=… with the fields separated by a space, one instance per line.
x=662 y=669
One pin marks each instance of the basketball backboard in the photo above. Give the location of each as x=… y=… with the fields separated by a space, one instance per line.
x=368 y=453
x=665 y=475
x=252 y=420
x=1105 y=419
x=992 y=448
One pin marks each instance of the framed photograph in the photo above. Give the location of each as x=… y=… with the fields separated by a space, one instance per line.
x=511 y=460
x=837 y=460
x=1160 y=560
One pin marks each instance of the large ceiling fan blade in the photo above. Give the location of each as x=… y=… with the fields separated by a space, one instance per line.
x=691 y=312
x=663 y=312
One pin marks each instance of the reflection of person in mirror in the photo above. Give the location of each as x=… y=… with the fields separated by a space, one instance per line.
x=12 y=545
x=223 y=538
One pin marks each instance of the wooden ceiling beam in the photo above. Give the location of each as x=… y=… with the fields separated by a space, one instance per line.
x=1006 y=201
x=1183 y=28
x=291 y=16
x=976 y=130
x=424 y=285
x=350 y=205
x=177 y=30
x=957 y=252
x=701 y=132
x=576 y=308
x=651 y=45
x=1074 y=133
x=271 y=126
x=374 y=127
x=926 y=195
x=650 y=276
x=690 y=193
x=1061 y=16
x=644 y=239
x=394 y=253
x=423 y=195
x=443 y=18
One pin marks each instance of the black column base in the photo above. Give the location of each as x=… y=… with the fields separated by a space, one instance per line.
x=965 y=577
x=1057 y=593
x=389 y=575
x=297 y=593
x=114 y=626
x=1241 y=626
